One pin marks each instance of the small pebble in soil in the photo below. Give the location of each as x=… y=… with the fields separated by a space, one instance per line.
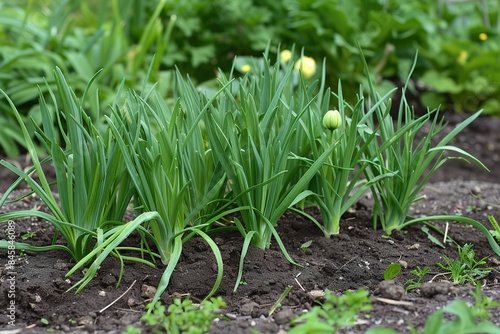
x=35 y=307
x=414 y=247
x=475 y=190
x=398 y=235
x=494 y=261
x=65 y=328
x=284 y=316
x=257 y=312
x=60 y=283
x=316 y=294
x=86 y=320
x=147 y=291
x=108 y=280
x=247 y=307
x=432 y=289
x=390 y=289
x=364 y=265
x=403 y=264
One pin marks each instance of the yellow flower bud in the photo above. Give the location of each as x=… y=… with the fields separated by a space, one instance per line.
x=462 y=57
x=246 y=68
x=483 y=36
x=307 y=66
x=285 y=56
x=332 y=120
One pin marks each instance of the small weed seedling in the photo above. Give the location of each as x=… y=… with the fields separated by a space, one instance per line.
x=496 y=229
x=483 y=303
x=432 y=238
x=413 y=284
x=335 y=313
x=132 y=330
x=467 y=319
x=28 y=235
x=392 y=271
x=280 y=299
x=305 y=246
x=183 y=316
x=466 y=268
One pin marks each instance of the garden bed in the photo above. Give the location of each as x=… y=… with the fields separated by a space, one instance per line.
x=356 y=258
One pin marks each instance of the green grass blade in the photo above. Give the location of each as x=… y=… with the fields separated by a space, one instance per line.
x=244 y=249
x=117 y=235
x=167 y=274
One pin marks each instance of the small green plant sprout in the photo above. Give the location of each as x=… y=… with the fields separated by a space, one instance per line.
x=496 y=229
x=466 y=319
x=280 y=300
x=182 y=316
x=305 y=246
x=335 y=313
x=483 y=303
x=132 y=330
x=392 y=271
x=28 y=235
x=466 y=268
x=412 y=284
x=44 y=321
x=432 y=238
x=472 y=208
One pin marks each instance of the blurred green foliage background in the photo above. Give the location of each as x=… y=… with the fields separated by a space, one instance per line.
x=139 y=43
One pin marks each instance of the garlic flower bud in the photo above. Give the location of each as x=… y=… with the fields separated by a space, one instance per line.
x=307 y=66
x=285 y=56
x=332 y=120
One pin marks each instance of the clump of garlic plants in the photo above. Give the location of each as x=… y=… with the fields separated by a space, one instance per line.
x=173 y=170
x=92 y=182
x=251 y=128
x=412 y=161
x=340 y=182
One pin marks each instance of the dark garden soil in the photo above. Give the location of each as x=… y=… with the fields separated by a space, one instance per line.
x=356 y=258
